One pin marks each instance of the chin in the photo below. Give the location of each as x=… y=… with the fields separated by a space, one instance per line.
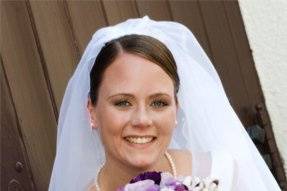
x=142 y=165
x=142 y=161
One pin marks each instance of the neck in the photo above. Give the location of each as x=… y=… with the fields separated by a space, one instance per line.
x=113 y=169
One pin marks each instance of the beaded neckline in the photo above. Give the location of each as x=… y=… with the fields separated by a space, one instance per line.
x=167 y=155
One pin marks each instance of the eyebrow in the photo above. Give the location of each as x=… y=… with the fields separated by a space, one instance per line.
x=132 y=96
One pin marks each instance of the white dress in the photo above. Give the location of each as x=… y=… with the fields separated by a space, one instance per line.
x=218 y=165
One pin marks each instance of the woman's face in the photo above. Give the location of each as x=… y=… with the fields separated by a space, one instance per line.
x=135 y=111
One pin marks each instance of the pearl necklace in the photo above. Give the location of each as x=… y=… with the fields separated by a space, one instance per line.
x=167 y=155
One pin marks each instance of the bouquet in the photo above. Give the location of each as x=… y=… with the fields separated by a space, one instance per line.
x=163 y=181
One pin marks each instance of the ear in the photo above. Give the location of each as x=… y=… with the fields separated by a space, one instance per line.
x=177 y=107
x=92 y=114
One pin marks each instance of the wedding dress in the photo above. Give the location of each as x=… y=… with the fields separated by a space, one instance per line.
x=217 y=165
x=207 y=124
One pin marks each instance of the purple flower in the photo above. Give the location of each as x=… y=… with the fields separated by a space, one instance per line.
x=181 y=187
x=144 y=185
x=167 y=179
x=164 y=181
x=154 y=188
x=155 y=176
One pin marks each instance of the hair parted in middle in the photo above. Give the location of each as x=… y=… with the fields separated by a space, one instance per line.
x=144 y=46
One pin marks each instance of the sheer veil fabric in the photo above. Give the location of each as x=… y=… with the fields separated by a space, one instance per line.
x=206 y=120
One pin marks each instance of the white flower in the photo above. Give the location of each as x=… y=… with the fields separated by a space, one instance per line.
x=187 y=181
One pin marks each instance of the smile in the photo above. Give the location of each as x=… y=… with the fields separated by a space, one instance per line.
x=139 y=140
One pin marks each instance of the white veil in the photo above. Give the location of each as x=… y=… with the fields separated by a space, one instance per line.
x=206 y=120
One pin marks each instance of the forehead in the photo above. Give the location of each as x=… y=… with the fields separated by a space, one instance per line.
x=133 y=74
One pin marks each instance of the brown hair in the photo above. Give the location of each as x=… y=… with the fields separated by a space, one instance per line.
x=144 y=46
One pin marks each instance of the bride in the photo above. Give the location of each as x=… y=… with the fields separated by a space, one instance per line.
x=145 y=97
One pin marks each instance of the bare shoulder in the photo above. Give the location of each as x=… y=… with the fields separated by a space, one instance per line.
x=180 y=154
x=183 y=161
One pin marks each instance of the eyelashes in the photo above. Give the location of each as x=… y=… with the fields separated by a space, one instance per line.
x=122 y=103
x=156 y=104
x=159 y=104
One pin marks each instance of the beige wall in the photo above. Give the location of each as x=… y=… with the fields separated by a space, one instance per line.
x=266 y=27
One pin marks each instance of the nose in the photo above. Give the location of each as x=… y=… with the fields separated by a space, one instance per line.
x=141 y=118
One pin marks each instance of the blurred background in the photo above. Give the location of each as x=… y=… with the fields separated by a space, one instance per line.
x=42 y=42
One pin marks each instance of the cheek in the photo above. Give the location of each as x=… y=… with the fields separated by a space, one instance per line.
x=112 y=122
x=111 y=128
x=166 y=122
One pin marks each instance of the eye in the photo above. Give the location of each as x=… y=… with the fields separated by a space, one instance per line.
x=122 y=103
x=159 y=104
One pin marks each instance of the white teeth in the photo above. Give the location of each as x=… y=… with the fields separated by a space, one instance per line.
x=139 y=140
